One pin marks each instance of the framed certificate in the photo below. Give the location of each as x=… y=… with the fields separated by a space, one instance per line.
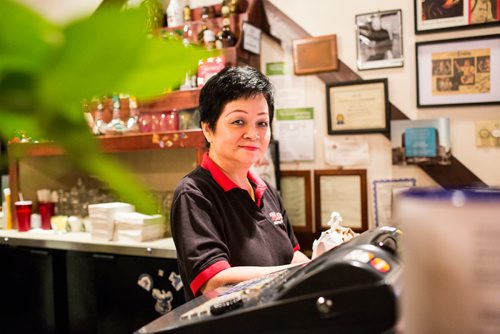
x=344 y=191
x=296 y=193
x=358 y=107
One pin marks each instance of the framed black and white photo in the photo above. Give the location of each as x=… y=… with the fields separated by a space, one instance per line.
x=462 y=71
x=355 y=107
x=379 y=40
x=440 y=15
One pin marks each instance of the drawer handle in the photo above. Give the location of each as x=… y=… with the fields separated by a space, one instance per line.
x=103 y=256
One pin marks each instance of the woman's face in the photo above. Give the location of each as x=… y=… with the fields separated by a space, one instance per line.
x=242 y=133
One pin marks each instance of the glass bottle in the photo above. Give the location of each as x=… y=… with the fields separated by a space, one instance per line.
x=209 y=39
x=174 y=14
x=225 y=37
x=204 y=24
x=187 y=35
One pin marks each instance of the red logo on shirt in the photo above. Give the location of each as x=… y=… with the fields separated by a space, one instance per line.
x=276 y=218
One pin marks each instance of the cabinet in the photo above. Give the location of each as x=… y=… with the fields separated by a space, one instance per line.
x=31 y=290
x=58 y=291
x=104 y=296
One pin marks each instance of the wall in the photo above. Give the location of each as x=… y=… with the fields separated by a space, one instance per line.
x=337 y=17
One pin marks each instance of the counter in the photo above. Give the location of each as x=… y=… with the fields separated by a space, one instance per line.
x=81 y=241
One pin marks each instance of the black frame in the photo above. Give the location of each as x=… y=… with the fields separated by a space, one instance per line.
x=274 y=147
x=454 y=27
x=420 y=45
x=398 y=62
x=384 y=130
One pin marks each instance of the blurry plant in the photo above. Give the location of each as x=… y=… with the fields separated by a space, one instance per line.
x=47 y=70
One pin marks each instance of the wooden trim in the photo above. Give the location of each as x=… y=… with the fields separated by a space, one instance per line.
x=306 y=175
x=284 y=30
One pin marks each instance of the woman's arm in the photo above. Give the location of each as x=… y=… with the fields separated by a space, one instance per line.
x=243 y=273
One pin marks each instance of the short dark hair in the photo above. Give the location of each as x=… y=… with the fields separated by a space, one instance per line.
x=230 y=84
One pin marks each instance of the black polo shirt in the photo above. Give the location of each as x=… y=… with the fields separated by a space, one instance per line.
x=216 y=225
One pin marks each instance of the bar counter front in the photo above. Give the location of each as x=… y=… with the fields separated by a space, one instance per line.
x=69 y=283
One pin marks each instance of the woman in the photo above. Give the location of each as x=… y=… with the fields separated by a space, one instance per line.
x=229 y=225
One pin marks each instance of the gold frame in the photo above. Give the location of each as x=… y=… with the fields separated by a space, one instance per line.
x=315 y=54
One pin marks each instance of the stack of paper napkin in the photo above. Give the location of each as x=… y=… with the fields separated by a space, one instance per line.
x=102 y=217
x=134 y=226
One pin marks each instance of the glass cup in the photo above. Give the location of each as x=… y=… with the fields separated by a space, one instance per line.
x=23 y=214
x=46 y=210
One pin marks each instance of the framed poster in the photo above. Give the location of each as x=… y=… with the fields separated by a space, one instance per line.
x=344 y=191
x=379 y=40
x=296 y=193
x=462 y=71
x=358 y=107
x=439 y=15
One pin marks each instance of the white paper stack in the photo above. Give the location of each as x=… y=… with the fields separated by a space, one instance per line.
x=102 y=218
x=134 y=226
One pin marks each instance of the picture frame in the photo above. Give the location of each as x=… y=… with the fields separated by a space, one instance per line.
x=356 y=107
x=384 y=192
x=458 y=72
x=344 y=191
x=296 y=194
x=379 y=38
x=438 y=15
x=315 y=54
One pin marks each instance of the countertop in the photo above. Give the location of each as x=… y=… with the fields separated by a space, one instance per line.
x=81 y=241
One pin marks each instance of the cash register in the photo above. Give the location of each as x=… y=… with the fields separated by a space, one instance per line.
x=352 y=288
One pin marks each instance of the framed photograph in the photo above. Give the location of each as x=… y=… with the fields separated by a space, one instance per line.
x=315 y=54
x=462 y=71
x=296 y=193
x=439 y=15
x=358 y=107
x=343 y=191
x=379 y=40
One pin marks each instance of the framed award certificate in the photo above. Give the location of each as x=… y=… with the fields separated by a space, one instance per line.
x=358 y=107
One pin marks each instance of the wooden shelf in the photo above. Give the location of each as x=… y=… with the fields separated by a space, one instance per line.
x=179 y=100
x=121 y=143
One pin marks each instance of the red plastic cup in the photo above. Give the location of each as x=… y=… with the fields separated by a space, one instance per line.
x=23 y=213
x=46 y=210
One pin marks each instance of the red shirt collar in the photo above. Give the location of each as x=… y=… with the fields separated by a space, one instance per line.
x=227 y=184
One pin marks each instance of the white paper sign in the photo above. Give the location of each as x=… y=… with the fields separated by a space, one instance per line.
x=251 y=39
x=346 y=151
x=290 y=90
x=294 y=129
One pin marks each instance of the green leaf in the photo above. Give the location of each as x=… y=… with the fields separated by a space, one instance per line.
x=121 y=180
x=95 y=55
x=162 y=65
x=10 y=122
x=27 y=39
